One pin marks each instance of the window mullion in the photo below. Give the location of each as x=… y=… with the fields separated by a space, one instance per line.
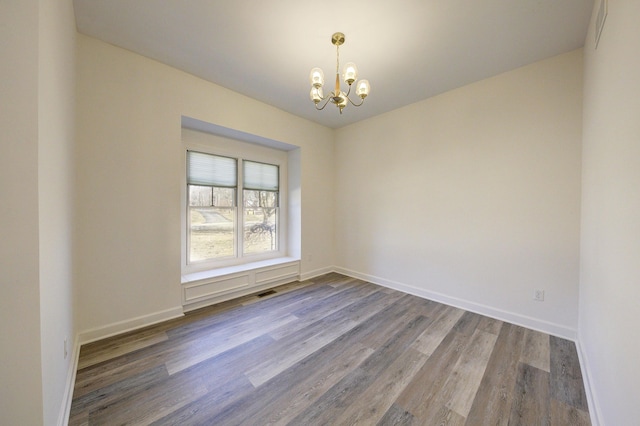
x=240 y=210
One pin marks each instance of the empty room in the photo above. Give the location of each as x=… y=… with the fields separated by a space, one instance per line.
x=394 y=213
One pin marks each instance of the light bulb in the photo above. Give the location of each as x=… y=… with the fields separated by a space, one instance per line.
x=316 y=94
x=363 y=88
x=350 y=73
x=316 y=77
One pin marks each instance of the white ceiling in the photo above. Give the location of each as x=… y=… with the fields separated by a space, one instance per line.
x=409 y=50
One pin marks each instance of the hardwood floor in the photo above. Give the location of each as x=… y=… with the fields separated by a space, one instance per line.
x=334 y=350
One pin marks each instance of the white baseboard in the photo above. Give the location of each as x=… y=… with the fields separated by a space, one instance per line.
x=120 y=327
x=316 y=273
x=594 y=407
x=65 y=408
x=511 y=317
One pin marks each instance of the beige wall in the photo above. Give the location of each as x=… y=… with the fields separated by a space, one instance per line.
x=471 y=197
x=20 y=373
x=129 y=173
x=610 y=245
x=37 y=62
x=56 y=129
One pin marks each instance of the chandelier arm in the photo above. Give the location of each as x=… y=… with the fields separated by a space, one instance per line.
x=354 y=104
x=326 y=101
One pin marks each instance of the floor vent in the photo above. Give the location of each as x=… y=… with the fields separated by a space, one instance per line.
x=267 y=293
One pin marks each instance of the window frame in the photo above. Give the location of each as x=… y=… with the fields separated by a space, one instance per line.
x=263 y=155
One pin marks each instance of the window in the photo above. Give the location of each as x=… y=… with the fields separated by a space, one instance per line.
x=217 y=231
x=260 y=207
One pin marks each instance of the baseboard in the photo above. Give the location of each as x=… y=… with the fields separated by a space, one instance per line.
x=316 y=273
x=120 y=327
x=65 y=408
x=594 y=407
x=511 y=317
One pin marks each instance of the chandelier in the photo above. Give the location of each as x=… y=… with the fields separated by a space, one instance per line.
x=349 y=75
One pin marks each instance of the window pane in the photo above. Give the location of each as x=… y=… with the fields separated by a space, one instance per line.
x=200 y=196
x=211 y=232
x=260 y=221
x=253 y=199
x=224 y=197
x=268 y=199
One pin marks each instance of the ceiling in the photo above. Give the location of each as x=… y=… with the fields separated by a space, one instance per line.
x=409 y=50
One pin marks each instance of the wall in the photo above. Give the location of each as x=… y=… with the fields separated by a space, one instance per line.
x=37 y=111
x=56 y=129
x=471 y=197
x=129 y=172
x=20 y=374
x=610 y=244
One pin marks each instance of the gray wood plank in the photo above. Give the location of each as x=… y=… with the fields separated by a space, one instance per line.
x=530 y=397
x=467 y=323
x=157 y=401
x=466 y=376
x=418 y=397
x=298 y=398
x=536 y=350
x=492 y=404
x=189 y=353
x=270 y=368
x=370 y=406
x=309 y=321
x=114 y=392
x=490 y=325
x=433 y=335
x=121 y=349
x=396 y=416
x=307 y=377
x=302 y=343
x=339 y=396
x=566 y=378
x=442 y=415
x=453 y=399
x=564 y=414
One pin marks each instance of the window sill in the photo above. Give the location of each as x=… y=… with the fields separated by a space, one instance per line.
x=229 y=270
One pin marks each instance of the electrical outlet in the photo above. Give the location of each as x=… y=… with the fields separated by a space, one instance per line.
x=538 y=295
x=66 y=351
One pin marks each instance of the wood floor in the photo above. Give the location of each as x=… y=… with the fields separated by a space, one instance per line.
x=331 y=351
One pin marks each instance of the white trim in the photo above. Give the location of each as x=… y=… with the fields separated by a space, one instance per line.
x=120 y=327
x=208 y=287
x=223 y=297
x=316 y=273
x=214 y=144
x=218 y=272
x=67 y=399
x=587 y=378
x=511 y=317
